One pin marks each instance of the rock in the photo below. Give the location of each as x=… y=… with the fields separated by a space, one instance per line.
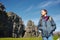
x=2 y=7
x=11 y=25
x=31 y=29
x=18 y=26
x=3 y=22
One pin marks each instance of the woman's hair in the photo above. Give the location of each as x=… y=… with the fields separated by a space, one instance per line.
x=45 y=10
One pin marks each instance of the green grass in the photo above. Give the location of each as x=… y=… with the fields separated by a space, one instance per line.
x=56 y=37
x=32 y=38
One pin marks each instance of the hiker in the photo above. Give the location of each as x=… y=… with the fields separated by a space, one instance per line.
x=46 y=25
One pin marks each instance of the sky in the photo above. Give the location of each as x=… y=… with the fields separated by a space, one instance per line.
x=31 y=9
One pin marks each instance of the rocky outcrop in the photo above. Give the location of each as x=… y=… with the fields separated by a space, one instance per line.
x=11 y=25
x=18 y=26
x=31 y=30
x=3 y=22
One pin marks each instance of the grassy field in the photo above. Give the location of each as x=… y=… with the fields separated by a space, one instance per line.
x=32 y=38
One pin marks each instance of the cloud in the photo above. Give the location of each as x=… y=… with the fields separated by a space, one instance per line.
x=44 y=4
x=48 y=3
x=28 y=9
x=41 y=5
x=57 y=1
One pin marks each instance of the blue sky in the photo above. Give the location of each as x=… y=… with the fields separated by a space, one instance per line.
x=30 y=9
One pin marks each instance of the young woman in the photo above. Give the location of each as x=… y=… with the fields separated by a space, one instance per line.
x=46 y=25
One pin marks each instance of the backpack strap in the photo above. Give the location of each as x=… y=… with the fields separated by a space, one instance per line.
x=50 y=18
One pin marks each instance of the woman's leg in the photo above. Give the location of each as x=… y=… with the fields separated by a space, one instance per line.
x=44 y=38
x=51 y=37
